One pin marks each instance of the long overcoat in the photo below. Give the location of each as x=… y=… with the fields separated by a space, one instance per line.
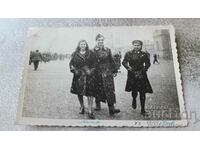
x=137 y=63
x=104 y=80
x=83 y=68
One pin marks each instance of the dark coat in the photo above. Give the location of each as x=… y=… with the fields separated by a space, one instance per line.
x=137 y=63
x=83 y=68
x=104 y=81
x=36 y=56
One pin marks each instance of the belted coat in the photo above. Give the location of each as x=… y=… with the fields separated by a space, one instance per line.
x=104 y=81
x=137 y=63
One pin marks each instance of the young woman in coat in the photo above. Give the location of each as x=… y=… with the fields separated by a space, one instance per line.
x=104 y=72
x=82 y=66
x=137 y=62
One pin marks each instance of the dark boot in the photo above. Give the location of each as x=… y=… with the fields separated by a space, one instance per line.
x=91 y=115
x=98 y=105
x=36 y=63
x=113 y=110
x=134 y=104
x=142 y=102
x=35 y=67
x=134 y=96
x=144 y=113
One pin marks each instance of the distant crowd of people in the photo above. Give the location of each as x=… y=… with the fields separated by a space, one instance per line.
x=37 y=56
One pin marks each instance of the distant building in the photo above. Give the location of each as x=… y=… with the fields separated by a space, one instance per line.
x=148 y=46
x=162 y=43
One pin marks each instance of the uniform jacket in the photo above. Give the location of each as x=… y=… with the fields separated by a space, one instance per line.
x=104 y=81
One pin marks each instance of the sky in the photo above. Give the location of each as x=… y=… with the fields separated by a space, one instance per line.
x=65 y=40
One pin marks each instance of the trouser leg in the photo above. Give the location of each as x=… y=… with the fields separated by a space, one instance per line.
x=36 y=63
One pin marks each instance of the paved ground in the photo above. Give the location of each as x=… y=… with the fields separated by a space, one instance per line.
x=48 y=94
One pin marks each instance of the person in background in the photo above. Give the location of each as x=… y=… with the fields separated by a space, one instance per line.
x=137 y=62
x=36 y=58
x=30 y=58
x=117 y=59
x=82 y=66
x=104 y=76
x=155 y=59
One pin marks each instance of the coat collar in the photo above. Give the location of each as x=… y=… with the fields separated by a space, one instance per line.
x=98 y=48
x=137 y=52
x=83 y=56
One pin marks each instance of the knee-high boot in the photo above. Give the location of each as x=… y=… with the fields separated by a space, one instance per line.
x=112 y=109
x=142 y=102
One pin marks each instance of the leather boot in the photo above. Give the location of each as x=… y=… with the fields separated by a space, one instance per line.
x=144 y=113
x=113 y=110
x=142 y=102
x=134 y=104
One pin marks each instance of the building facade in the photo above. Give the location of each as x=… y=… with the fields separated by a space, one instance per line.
x=162 y=44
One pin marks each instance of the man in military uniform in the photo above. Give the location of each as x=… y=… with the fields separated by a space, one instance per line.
x=137 y=62
x=36 y=58
x=105 y=71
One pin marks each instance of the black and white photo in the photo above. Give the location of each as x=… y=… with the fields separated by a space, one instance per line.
x=102 y=76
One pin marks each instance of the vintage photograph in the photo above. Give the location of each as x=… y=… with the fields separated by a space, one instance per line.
x=101 y=76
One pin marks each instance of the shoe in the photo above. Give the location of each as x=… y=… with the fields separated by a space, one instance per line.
x=144 y=113
x=134 y=105
x=113 y=110
x=82 y=110
x=91 y=115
